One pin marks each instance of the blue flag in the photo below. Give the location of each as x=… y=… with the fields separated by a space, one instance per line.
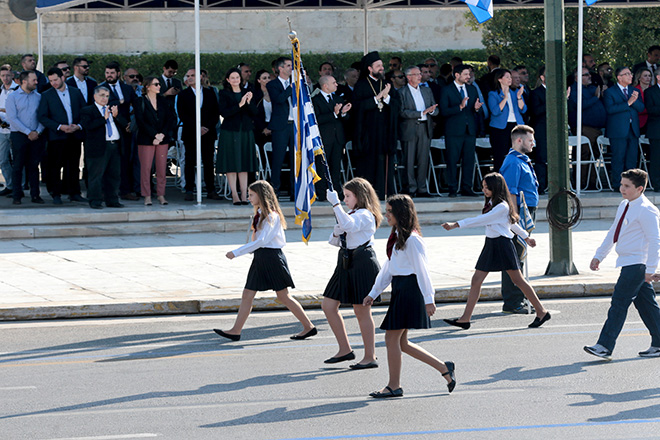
x=307 y=145
x=481 y=9
x=591 y=2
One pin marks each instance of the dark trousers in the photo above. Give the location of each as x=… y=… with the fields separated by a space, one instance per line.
x=378 y=169
x=208 y=147
x=104 y=174
x=631 y=288
x=282 y=139
x=416 y=152
x=333 y=154
x=460 y=148
x=541 y=155
x=500 y=142
x=27 y=154
x=625 y=152
x=511 y=294
x=64 y=166
x=654 y=166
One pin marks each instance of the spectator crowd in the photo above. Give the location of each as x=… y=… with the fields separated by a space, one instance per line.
x=116 y=139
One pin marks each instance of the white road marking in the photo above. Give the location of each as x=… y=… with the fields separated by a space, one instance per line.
x=17 y=388
x=111 y=437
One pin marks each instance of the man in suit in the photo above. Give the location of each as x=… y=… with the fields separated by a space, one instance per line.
x=330 y=109
x=417 y=105
x=81 y=81
x=486 y=81
x=281 y=122
x=652 y=61
x=622 y=105
x=210 y=117
x=459 y=103
x=246 y=76
x=123 y=96
x=28 y=63
x=652 y=104
x=59 y=112
x=538 y=120
x=102 y=125
x=170 y=85
x=325 y=69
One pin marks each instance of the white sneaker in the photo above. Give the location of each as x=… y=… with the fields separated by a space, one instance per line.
x=600 y=351
x=652 y=352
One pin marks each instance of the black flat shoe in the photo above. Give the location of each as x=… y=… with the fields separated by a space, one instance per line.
x=335 y=359
x=455 y=323
x=450 y=367
x=389 y=393
x=310 y=333
x=227 y=335
x=244 y=202
x=372 y=364
x=538 y=322
x=237 y=203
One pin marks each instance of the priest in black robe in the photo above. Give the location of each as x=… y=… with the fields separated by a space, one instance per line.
x=376 y=125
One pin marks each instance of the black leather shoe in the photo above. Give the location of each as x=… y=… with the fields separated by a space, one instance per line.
x=214 y=196
x=38 y=200
x=17 y=202
x=469 y=193
x=57 y=200
x=424 y=195
x=372 y=364
x=6 y=192
x=453 y=194
x=389 y=393
x=310 y=333
x=335 y=359
x=450 y=367
x=188 y=197
x=455 y=323
x=538 y=322
x=227 y=335
x=114 y=205
x=95 y=205
x=78 y=198
x=130 y=196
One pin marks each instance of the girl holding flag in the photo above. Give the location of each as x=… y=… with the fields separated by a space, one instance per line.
x=357 y=268
x=269 y=269
x=499 y=253
x=412 y=301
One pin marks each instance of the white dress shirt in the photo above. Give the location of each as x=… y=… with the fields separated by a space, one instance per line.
x=3 y=98
x=82 y=86
x=460 y=87
x=286 y=83
x=359 y=226
x=639 y=237
x=407 y=261
x=270 y=235
x=419 y=101
x=115 y=131
x=496 y=222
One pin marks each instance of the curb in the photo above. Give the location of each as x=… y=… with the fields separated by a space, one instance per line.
x=228 y=304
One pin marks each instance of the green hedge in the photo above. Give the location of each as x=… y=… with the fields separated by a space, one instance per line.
x=218 y=63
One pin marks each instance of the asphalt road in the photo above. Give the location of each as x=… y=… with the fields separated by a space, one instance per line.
x=173 y=378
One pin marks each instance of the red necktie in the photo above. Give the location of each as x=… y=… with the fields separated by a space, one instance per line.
x=618 y=226
x=255 y=221
x=487 y=207
x=390 y=244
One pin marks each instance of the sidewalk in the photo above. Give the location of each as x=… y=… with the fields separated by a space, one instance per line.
x=188 y=273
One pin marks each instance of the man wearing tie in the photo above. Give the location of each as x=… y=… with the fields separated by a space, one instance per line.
x=459 y=104
x=80 y=81
x=171 y=86
x=59 y=111
x=102 y=125
x=330 y=109
x=417 y=107
x=622 y=105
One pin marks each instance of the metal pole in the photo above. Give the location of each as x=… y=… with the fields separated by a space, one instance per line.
x=578 y=78
x=366 y=27
x=40 y=44
x=558 y=161
x=198 y=110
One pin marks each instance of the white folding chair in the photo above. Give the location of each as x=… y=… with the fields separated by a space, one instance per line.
x=590 y=161
x=483 y=143
x=438 y=144
x=643 y=163
x=350 y=172
x=261 y=174
x=603 y=142
x=268 y=148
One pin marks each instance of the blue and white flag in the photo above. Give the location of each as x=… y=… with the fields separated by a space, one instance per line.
x=526 y=222
x=591 y=2
x=307 y=145
x=481 y=9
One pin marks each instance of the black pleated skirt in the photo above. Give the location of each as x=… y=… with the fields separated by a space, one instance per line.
x=497 y=255
x=269 y=271
x=350 y=286
x=407 y=309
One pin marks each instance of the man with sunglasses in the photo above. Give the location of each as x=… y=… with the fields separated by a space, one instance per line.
x=132 y=78
x=64 y=67
x=81 y=81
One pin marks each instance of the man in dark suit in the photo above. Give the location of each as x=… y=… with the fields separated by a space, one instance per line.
x=417 y=107
x=59 y=112
x=281 y=122
x=102 y=125
x=170 y=85
x=330 y=109
x=538 y=121
x=210 y=117
x=652 y=104
x=652 y=61
x=486 y=81
x=623 y=105
x=459 y=104
x=123 y=96
x=81 y=81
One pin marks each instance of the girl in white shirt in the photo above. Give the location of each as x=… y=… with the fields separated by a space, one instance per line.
x=499 y=252
x=356 y=271
x=269 y=269
x=412 y=301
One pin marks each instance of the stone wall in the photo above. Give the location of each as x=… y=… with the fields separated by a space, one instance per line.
x=320 y=31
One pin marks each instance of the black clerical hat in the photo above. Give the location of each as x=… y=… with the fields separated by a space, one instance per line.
x=368 y=60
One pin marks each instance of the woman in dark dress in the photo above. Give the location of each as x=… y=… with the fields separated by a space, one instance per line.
x=155 y=121
x=264 y=107
x=236 y=153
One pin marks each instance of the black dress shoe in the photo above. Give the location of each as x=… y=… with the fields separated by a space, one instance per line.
x=57 y=200
x=78 y=198
x=95 y=205
x=453 y=194
x=335 y=359
x=455 y=323
x=214 y=196
x=227 y=335
x=114 y=205
x=424 y=195
x=310 y=333
x=6 y=192
x=372 y=364
x=450 y=372
x=469 y=193
x=188 y=197
x=129 y=196
x=17 y=202
x=38 y=200
x=538 y=322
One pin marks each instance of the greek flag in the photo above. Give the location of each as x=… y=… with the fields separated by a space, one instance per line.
x=526 y=222
x=481 y=9
x=591 y=2
x=307 y=145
